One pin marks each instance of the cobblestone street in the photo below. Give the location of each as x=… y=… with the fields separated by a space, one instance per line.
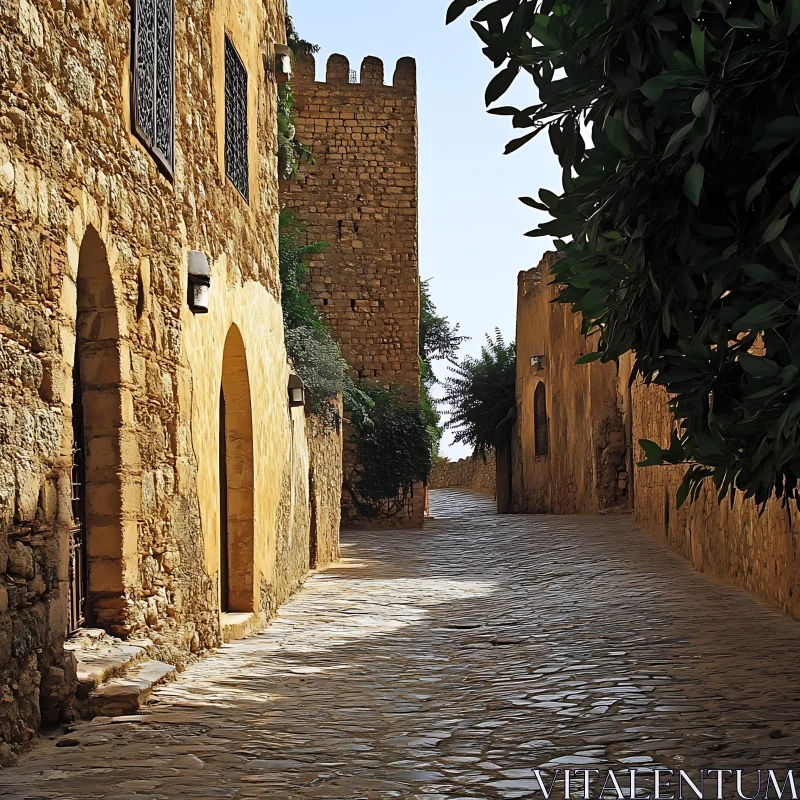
x=448 y=664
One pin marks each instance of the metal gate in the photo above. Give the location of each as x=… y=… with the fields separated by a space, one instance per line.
x=78 y=573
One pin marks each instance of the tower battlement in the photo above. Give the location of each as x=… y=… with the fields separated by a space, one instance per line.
x=339 y=74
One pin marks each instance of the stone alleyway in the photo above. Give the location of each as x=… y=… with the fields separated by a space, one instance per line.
x=448 y=664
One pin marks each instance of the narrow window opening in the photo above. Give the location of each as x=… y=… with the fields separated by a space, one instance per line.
x=325 y=302
x=352 y=305
x=153 y=79
x=341 y=224
x=236 y=134
x=541 y=421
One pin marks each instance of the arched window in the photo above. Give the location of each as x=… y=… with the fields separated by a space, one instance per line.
x=541 y=427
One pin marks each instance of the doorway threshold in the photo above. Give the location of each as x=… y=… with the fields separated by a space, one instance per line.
x=238 y=625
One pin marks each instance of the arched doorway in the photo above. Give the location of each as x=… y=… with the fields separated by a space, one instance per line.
x=96 y=550
x=237 y=479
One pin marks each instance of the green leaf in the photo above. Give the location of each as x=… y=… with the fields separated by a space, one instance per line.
x=677 y=138
x=745 y=24
x=758 y=367
x=795 y=193
x=501 y=83
x=760 y=317
x=775 y=229
x=615 y=131
x=589 y=358
x=700 y=103
x=529 y=201
x=699 y=46
x=517 y=143
x=758 y=272
x=654 y=454
x=457 y=8
x=693 y=183
x=754 y=191
x=783 y=126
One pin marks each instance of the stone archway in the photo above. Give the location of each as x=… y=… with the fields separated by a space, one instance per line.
x=237 y=479
x=98 y=398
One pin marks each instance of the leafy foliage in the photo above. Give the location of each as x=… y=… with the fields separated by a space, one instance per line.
x=394 y=453
x=291 y=151
x=678 y=218
x=309 y=342
x=438 y=341
x=481 y=393
x=394 y=439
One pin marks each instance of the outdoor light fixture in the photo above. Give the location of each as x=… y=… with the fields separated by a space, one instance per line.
x=199 y=282
x=537 y=362
x=297 y=392
x=283 y=63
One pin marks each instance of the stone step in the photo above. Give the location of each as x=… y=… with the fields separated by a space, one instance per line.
x=100 y=657
x=127 y=695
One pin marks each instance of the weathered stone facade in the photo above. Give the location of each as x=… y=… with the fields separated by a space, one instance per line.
x=596 y=422
x=93 y=270
x=584 y=469
x=360 y=196
x=736 y=544
x=473 y=473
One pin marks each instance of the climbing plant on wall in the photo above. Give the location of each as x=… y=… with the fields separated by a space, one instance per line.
x=393 y=444
x=314 y=352
x=677 y=125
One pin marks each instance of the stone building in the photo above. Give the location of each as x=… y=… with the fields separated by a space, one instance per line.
x=569 y=453
x=360 y=197
x=154 y=480
x=591 y=419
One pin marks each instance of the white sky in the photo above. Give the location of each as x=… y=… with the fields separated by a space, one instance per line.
x=471 y=222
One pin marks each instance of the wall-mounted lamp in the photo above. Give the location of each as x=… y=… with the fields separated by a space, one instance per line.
x=199 y=282
x=537 y=362
x=283 y=63
x=297 y=391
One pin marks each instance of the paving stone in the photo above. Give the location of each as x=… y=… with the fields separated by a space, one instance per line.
x=366 y=686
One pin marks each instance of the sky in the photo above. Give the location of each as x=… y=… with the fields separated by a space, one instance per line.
x=472 y=225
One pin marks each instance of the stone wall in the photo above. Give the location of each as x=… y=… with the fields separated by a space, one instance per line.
x=93 y=267
x=585 y=469
x=735 y=544
x=360 y=196
x=469 y=473
x=325 y=482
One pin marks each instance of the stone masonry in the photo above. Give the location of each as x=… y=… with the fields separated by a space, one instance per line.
x=473 y=472
x=585 y=468
x=360 y=197
x=94 y=238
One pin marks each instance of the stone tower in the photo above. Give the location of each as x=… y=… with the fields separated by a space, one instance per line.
x=361 y=198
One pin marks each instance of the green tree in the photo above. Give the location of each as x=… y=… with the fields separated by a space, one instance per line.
x=481 y=396
x=438 y=341
x=678 y=217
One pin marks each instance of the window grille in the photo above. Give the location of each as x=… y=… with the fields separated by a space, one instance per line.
x=236 y=160
x=153 y=73
x=541 y=423
x=353 y=76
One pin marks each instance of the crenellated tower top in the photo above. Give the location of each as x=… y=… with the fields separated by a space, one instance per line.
x=372 y=73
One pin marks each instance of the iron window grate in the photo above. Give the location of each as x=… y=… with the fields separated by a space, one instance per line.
x=236 y=142
x=153 y=79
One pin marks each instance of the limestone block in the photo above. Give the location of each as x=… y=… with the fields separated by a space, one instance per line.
x=27 y=494
x=20 y=560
